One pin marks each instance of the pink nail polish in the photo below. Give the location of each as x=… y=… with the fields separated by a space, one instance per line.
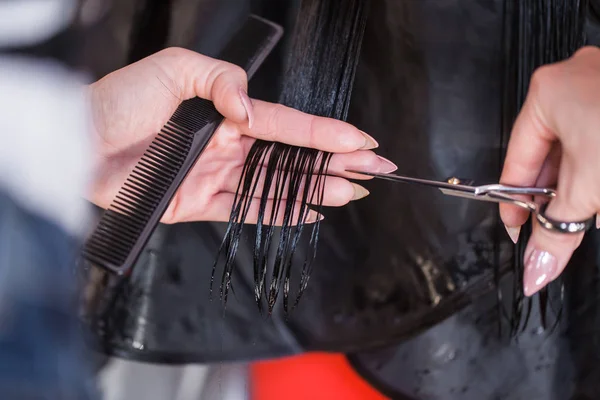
x=313 y=217
x=247 y=103
x=386 y=165
x=370 y=142
x=513 y=233
x=540 y=269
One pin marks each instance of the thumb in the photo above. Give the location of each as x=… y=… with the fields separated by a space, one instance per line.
x=548 y=251
x=223 y=83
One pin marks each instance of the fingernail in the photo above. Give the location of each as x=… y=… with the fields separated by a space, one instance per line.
x=597 y=221
x=313 y=217
x=370 y=143
x=359 y=192
x=247 y=103
x=540 y=269
x=386 y=165
x=513 y=233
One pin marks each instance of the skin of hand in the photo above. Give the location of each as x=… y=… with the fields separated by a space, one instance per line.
x=555 y=143
x=131 y=105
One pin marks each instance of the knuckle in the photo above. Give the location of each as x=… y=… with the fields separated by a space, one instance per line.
x=312 y=141
x=217 y=77
x=237 y=72
x=173 y=52
x=547 y=83
x=224 y=72
x=369 y=159
x=586 y=51
x=359 y=159
x=272 y=125
x=543 y=76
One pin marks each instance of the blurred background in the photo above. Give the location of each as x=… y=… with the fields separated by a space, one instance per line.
x=391 y=301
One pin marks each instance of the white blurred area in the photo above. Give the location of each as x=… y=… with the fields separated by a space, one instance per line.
x=45 y=155
x=26 y=22
x=125 y=380
x=44 y=118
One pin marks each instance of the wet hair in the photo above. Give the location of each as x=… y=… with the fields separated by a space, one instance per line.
x=323 y=56
x=537 y=32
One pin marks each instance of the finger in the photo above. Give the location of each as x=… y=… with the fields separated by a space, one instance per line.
x=547 y=179
x=337 y=191
x=220 y=210
x=278 y=123
x=529 y=145
x=223 y=83
x=548 y=252
x=360 y=160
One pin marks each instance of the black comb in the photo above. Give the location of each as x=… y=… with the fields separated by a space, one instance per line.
x=127 y=224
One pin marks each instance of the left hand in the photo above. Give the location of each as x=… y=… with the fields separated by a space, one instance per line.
x=131 y=105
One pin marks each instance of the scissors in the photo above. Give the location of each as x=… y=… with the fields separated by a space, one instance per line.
x=495 y=192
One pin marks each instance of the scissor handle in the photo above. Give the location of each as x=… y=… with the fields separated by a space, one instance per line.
x=506 y=189
x=540 y=214
x=560 y=226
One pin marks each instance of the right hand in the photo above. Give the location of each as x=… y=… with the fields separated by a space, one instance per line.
x=555 y=142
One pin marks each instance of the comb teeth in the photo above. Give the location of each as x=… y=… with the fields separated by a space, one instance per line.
x=120 y=227
x=128 y=223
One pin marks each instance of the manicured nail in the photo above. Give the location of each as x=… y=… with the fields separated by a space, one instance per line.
x=313 y=217
x=359 y=192
x=540 y=269
x=370 y=143
x=597 y=221
x=513 y=233
x=386 y=166
x=247 y=103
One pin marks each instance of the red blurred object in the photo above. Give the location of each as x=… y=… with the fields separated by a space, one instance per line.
x=313 y=376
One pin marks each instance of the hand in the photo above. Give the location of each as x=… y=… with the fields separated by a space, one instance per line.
x=556 y=143
x=131 y=105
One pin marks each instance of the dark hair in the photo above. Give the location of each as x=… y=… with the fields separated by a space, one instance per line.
x=320 y=73
x=537 y=32
x=323 y=59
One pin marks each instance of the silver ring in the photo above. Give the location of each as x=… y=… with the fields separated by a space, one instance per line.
x=560 y=226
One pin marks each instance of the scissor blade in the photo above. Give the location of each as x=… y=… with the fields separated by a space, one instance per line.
x=497 y=193
x=446 y=187
x=469 y=195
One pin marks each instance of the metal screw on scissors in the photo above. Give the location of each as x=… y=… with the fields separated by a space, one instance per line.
x=496 y=193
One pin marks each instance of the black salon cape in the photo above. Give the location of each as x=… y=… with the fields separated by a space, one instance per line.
x=403 y=281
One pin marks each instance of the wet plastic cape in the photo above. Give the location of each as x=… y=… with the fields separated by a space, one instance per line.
x=404 y=280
